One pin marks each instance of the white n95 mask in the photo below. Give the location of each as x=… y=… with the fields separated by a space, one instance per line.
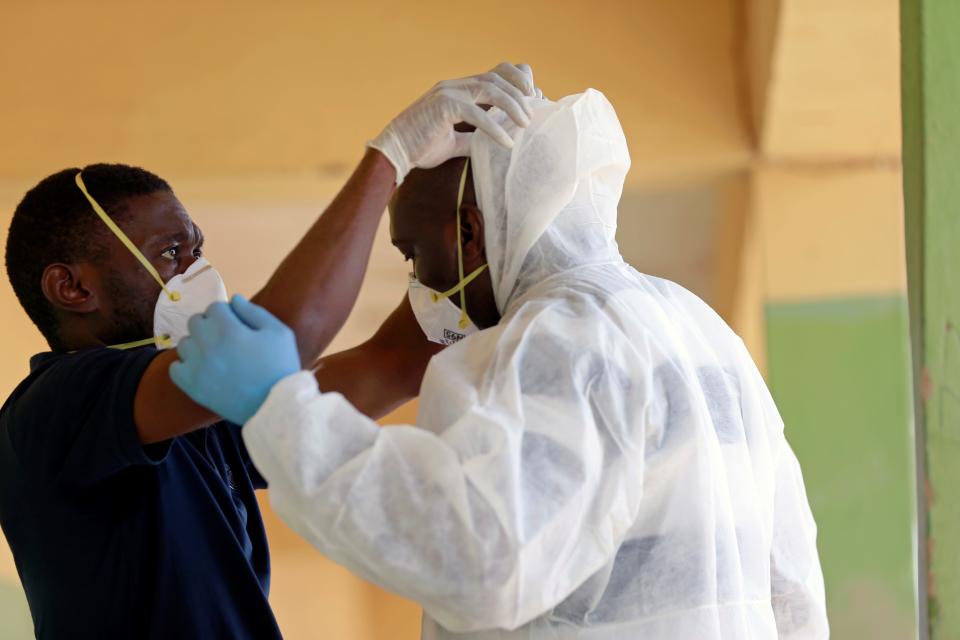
x=442 y=322
x=183 y=296
x=193 y=291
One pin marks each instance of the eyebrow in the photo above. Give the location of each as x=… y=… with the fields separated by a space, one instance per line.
x=177 y=237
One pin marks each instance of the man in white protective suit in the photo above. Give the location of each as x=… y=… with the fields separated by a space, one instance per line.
x=595 y=456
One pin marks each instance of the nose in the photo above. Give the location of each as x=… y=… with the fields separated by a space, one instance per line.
x=186 y=264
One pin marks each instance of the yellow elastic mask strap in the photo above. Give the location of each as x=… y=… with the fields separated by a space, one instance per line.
x=463 y=283
x=162 y=342
x=464 y=318
x=122 y=237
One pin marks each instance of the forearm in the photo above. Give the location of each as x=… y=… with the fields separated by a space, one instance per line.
x=312 y=291
x=315 y=287
x=372 y=382
x=383 y=372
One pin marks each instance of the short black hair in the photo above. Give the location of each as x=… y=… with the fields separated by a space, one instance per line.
x=55 y=223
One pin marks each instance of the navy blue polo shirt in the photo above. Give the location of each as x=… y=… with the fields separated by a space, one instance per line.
x=113 y=539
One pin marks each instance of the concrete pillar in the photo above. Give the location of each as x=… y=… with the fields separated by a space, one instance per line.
x=931 y=159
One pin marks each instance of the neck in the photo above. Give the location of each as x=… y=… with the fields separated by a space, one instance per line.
x=482 y=306
x=73 y=343
x=76 y=335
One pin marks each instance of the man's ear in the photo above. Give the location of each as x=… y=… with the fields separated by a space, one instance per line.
x=471 y=234
x=67 y=287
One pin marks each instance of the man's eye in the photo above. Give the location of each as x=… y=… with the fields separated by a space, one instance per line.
x=171 y=253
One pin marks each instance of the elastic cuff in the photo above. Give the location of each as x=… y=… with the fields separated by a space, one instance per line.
x=287 y=389
x=387 y=144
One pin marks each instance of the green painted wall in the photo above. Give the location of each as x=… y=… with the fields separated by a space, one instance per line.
x=930 y=67
x=839 y=372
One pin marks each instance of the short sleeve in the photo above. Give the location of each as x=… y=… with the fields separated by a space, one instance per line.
x=73 y=426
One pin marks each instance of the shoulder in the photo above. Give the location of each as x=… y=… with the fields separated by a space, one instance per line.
x=547 y=342
x=68 y=373
x=67 y=385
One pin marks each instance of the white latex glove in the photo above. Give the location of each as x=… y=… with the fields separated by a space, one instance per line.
x=423 y=136
x=537 y=93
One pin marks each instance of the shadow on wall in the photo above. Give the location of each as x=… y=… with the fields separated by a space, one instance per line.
x=671 y=233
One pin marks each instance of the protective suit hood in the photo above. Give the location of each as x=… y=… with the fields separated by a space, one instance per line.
x=550 y=203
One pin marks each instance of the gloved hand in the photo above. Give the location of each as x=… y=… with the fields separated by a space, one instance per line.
x=423 y=135
x=233 y=356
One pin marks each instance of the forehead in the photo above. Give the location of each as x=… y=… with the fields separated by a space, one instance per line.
x=414 y=213
x=155 y=214
x=426 y=200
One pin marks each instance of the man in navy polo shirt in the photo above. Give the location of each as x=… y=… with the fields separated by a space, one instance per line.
x=130 y=510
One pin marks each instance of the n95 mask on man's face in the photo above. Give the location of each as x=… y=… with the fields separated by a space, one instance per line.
x=193 y=291
x=441 y=320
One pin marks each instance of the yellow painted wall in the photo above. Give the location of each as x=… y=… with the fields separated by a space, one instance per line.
x=225 y=88
x=830 y=231
x=834 y=81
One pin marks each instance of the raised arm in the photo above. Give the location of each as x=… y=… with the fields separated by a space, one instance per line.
x=391 y=365
x=315 y=287
x=313 y=290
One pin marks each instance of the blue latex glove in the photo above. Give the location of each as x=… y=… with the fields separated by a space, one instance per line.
x=233 y=356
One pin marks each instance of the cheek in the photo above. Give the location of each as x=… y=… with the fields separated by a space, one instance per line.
x=140 y=294
x=436 y=271
x=131 y=302
x=167 y=269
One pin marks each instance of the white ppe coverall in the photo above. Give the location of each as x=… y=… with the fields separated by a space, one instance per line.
x=606 y=462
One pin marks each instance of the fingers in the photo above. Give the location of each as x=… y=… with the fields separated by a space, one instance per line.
x=494 y=95
x=210 y=326
x=537 y=93
x=516 y=76
x=198 y=327
x=188 y=350
x=252 y=315
x=221 y=318
x=479 y=118
x=511 y=91
x=506 y=87
x=180 y=376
